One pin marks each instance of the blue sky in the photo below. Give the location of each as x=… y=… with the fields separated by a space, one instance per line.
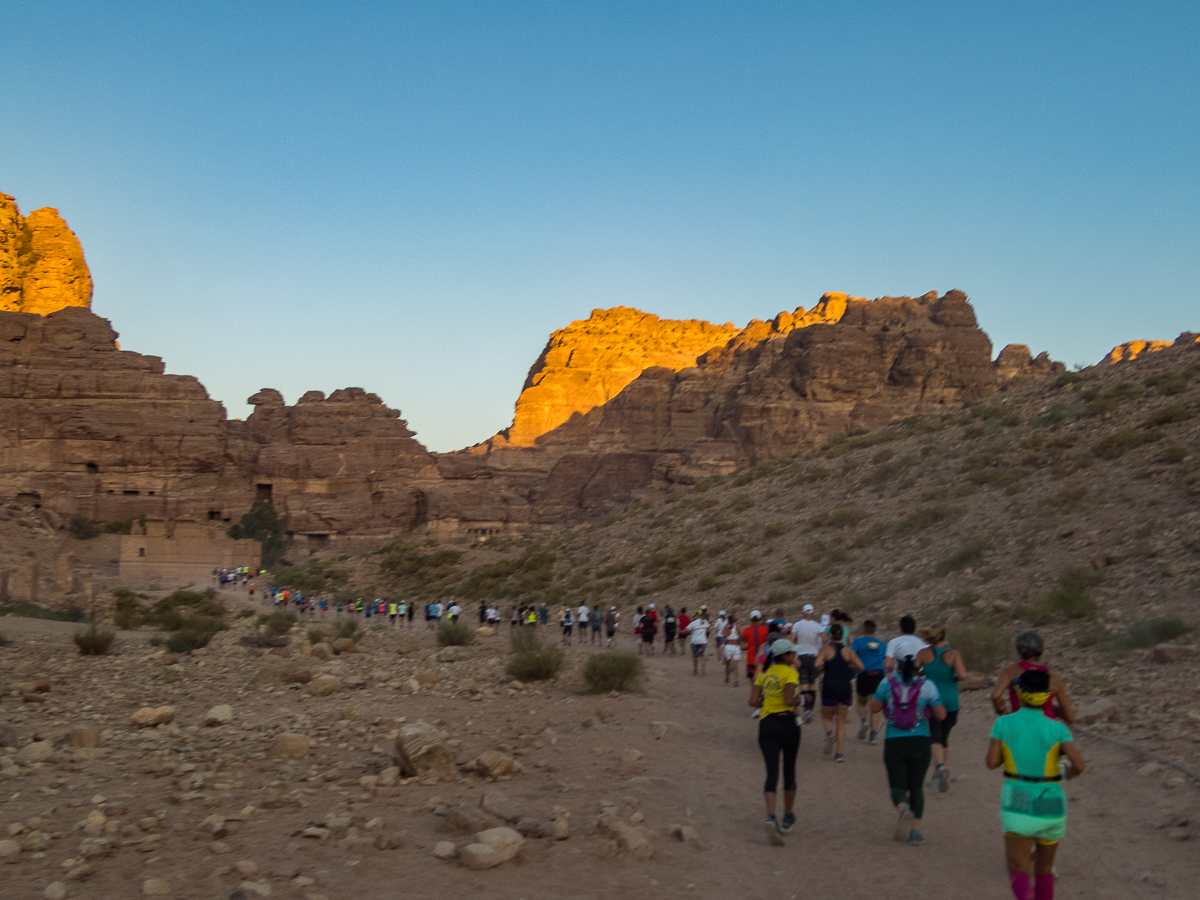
x=408 y=197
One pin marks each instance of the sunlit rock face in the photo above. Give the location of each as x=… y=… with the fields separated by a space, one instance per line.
x=1133 y=349
x=42 y=268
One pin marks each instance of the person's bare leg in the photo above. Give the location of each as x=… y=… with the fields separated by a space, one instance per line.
x=789 y=801
x=770 y=798
x=940 y=754
x=704 y=664
x=840 y=718
x=1043 y=859
x=827 y=722
x=1017 y=851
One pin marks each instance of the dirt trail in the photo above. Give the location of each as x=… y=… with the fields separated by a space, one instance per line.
x=708 y=775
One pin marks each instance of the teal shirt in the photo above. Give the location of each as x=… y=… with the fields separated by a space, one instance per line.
x=942 y=675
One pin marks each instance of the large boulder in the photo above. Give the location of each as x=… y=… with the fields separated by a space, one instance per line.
x=421 y=748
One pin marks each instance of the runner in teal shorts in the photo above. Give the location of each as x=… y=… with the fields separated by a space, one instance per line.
x=1033 y=808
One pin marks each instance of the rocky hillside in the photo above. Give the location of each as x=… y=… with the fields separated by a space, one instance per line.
x=42 y=268
x=1070 y=504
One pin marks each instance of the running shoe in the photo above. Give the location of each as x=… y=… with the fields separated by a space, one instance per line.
x=788 y=823
x=936 y=780
x=872 y=739
x=902 y=823
x=944 y=782
x=830 y=740
x=839 y=757
x=774 y=835
x=807 y=716
x=862 y=730
x=915 y=838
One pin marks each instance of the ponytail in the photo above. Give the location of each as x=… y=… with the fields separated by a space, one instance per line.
x=908 y=669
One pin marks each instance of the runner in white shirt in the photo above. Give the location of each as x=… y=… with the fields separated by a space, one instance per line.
x=719 y=630
x=907 y=644
x=698 y=638
x=583 y=615
x=809 y=637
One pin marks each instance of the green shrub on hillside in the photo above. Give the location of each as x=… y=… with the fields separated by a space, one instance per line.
x=983 y=645
x=533 y=660
x=1151 y=632
x=278 y=622
x=613 y=670
x=455 y=634
x=970 y=551
x=1169 y=415
x=798 y=573
x=1069 y=597
x=1121 y=442
x=93 y=642
x=262 y=524
x=841 y=517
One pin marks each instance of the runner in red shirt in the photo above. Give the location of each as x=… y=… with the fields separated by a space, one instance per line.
x=751 y=640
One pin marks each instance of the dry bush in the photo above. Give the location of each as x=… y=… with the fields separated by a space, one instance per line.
x=93 y=642
x=532 y=659
x=614 y=670
x=455 y=634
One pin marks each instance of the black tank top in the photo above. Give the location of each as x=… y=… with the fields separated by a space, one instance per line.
x=837 y=674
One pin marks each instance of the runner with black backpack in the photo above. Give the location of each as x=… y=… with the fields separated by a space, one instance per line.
x=909 y=700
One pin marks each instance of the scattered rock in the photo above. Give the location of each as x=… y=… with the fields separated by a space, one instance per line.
x=445 y=850
x=420 y=749
x=149 y=716
x=493 y=847
x=325 y=685
x=1170 y=653
x=629 y=838
x=661 y=730
x=37 y=752
x=450 y=654
x=500 y=805
x=469 y=819
x=85 y=738
x=530 y=827
x=55 y=890
x=221 y=714
x=290 y=746
x=344 y=645
x=494 y=763
x=631 y=762
x=1098 y=711
x=156 y=887
x=9 y=850
x=974 y=681
x=485 y=631
x=8 y=735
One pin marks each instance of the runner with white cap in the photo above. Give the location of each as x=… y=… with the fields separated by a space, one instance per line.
x=751 y=639
x=778 y=732
x=809 y=638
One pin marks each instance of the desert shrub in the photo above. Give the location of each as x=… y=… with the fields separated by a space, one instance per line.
x=1070 y=497
x=455 y=634
x=778 y=598
x=614 y=670
x=970 y=551
x=662 y=562
x=315 y=635
x=1169 y=383
x=1069 y=597
x=811 y=475
x=347 y=628
x=169 y=612
x=128 y=610
x=1121 y=442
x=244 y=614
x=195 y=632
x=264 y=640
x=735 y=565
x=315 y=576
x=33 y=611
x=1001 y=414
x=925 y=516
x=94 y=641
x=798 y=573
x=422 y=572
x=83 y=529
x=776 y=529
x=1067 y=378
x=119 y=526
x=1152 y=631
x=278 y=622
x=1174 y=455
x=1092 y=634
x=532 y=659
x=3 y=641
x=741 y=503
x=841 y=517
x=1169 y=415
x=532 y=571
x=707 y=583
x=983 y=645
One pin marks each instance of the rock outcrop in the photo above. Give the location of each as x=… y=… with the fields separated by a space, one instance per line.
x=773 y=388
x=42 y=268
x=1133 y=349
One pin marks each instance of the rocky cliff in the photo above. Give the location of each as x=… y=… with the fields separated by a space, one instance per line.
x=42 y=268
x=773 y=388
x=1131 y=350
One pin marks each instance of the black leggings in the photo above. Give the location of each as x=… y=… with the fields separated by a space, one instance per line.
x=776 y=734
x=939 y=729
x=907 y=761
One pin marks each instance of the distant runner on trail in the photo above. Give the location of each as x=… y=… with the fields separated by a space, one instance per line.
x=670 y=627
x=809 y=637
x=907 y=644
x=909 y=700
x=839 y=663
x=751 y=640
x=775 y=691
x=611 y=622
x=1030 y=648
x=1033 y=808
x=732 y=651
x=871 y=651
x=597 y=621
x=944 y=668
x=698 y=639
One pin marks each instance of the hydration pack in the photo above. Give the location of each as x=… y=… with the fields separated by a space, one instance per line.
x=905 y=704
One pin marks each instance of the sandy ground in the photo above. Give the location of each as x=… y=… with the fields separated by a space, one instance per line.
x=707 y=774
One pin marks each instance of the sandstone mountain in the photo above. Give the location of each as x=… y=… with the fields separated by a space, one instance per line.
x=1133 y=349
x=42 y=268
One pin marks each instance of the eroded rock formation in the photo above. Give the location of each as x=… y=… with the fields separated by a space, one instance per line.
x=1133 y=349
x=42 y=268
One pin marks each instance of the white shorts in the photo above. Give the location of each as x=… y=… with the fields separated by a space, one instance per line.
x=733 y=652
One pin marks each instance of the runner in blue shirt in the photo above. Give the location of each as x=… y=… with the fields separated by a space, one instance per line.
x=871 y=651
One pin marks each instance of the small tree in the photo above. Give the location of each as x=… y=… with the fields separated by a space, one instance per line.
x=262 y=524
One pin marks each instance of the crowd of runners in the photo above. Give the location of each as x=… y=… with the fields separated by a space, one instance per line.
x=903 y=690
x=907 y=688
